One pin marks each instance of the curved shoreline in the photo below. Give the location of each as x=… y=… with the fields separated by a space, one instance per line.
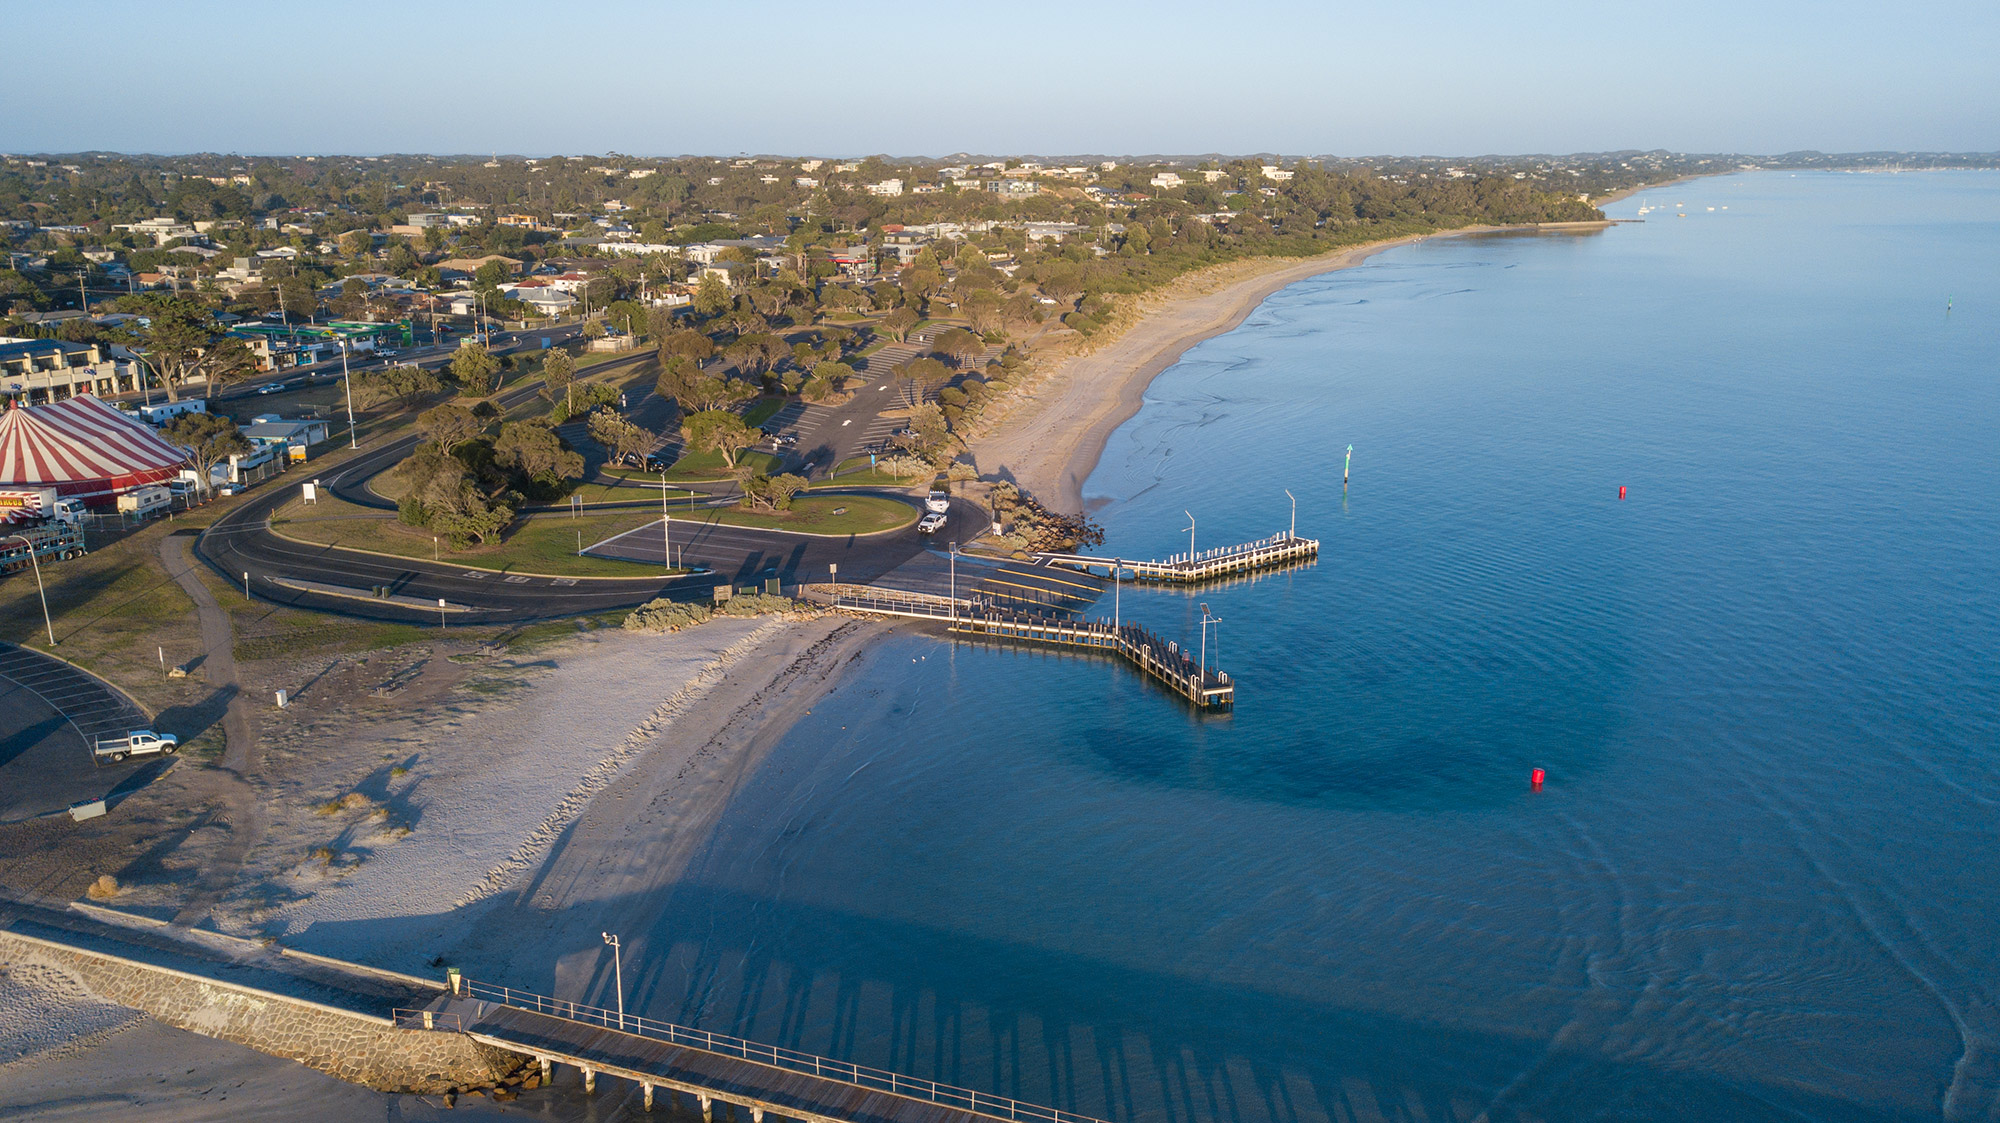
x=1051 y=439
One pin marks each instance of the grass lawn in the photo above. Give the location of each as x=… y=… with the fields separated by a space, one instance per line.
x=698 y=467
x=762 y=411
x=814 y=514
x=540 y=544
x=856 y=472
x=604 y=493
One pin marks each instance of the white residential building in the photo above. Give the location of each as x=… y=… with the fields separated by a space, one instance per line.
x=888 y=188
x=1166 y=179
x=1275 y=174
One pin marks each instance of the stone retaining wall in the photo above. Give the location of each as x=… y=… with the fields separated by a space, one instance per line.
x=355 y=1047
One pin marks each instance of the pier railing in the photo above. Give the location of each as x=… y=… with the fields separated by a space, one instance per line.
x=790 y=1060
x=1205 y=565
x=1163 y=660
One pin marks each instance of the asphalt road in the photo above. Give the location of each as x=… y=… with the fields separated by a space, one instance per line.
x=332 y=579
x=743 y=556
x=50 y=712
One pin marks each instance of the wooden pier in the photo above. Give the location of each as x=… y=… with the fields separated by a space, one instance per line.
x=1165 y=661
x=1207 y=565
x=713 y=1068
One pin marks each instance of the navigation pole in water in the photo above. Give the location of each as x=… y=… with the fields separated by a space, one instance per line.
x=1347 y=467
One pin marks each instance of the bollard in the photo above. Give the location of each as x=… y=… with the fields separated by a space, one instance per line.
x=281 y=699
x=428 y=1023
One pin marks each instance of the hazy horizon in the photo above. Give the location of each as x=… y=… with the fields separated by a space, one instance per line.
x=781 y=77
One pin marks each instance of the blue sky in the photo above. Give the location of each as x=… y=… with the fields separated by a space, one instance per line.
x=772 y=76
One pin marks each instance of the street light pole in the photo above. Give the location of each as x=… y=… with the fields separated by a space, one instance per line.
x=1295 y=513
x=666 y=524
x=1117 y=587
x=618 y=974
x=35 y=561
x=954 y=584
x=347 y=380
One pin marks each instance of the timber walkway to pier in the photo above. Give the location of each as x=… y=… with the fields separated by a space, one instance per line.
x=1165 y=661
x=711 y=1067
x=1206 y=565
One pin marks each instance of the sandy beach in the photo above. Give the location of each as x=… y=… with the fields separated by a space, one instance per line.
x=1048 y=437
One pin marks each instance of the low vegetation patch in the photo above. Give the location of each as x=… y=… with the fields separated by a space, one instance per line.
x=664 y=615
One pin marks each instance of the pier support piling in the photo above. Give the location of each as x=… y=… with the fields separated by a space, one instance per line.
x=590 y=1080
x=706 y=1115
x=646 y=1095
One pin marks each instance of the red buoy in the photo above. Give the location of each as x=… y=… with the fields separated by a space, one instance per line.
x=1621 y=493
x=1536 y=778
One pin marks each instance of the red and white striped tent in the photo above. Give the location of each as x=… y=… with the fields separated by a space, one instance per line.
x=84 y=449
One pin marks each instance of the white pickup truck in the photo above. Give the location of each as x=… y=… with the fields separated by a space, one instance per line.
x=139 y=742
x=938 y=502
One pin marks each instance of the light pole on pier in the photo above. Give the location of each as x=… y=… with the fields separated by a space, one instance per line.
x=617 y=974
x=1206 y=620
x=1117 y=586
x=1295 y=513
x=1190 y=515
x=954 y=584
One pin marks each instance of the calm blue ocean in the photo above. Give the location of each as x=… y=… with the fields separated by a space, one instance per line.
x=1763 y=879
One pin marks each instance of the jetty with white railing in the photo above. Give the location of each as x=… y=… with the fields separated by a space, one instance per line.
x=1275 y=552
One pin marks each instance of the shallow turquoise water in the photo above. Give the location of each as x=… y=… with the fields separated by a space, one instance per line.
x=1761 y=879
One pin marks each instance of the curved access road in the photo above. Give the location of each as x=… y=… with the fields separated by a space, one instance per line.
x=332 y=579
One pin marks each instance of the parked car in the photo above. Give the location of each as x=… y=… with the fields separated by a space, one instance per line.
x=931 y=523
x=658 y=463
x=139 y=742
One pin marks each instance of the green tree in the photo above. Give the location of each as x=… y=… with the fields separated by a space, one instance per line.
x=182 y=342
x=685 y=343
x=476 y=369
x=921 y=375
x=408 y=386
x=772 y=493
x=720 y=430
x=559 y=377
x=533 y=450
x=619 y=437
x=209 y=438
x=711 y=297
x=961 y=345
x=449 y=426
x=899 y=321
